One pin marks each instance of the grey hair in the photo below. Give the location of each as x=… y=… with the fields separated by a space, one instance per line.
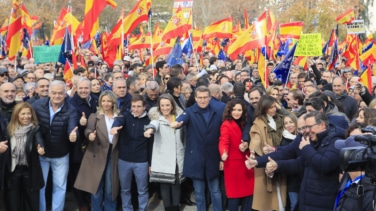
x=227 y=87
x=151 y=85
x=83 y=79
x=57 y=83
x=119 y=80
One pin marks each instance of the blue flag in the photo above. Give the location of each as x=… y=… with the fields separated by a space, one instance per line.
x=188 y=49
x=66 y=48
x=221 y=55
x=175 y=56
x=369 y=46
x=282 y=70
x=325 y=48
x=25 y=39
x=333 y=56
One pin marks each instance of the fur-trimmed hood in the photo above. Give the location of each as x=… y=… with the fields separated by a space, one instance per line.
x=154 y=113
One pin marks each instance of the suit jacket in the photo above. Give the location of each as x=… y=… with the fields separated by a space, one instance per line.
x=95 y=158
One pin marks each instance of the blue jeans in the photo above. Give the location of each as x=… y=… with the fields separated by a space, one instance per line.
x=293 y=200
x=215 y=192
x=140 y=171
x=98 y=201
x=60 y=168
x=233 y=203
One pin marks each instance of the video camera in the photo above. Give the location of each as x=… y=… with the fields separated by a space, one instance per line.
x=361 y=157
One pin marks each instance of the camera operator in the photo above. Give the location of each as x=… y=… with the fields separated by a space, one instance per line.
x=356 y=189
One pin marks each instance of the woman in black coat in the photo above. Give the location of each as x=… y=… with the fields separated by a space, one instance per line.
x=23 y=174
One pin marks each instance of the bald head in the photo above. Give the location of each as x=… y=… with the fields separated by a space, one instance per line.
x=7 y=92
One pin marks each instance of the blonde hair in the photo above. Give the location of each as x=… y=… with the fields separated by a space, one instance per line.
x=13 y=123
x=113 y=98
x=293 y=118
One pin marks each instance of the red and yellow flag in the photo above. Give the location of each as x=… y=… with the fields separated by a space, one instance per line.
x=220 y=29
x=65 y=19
x=138 y=14
x=157 y=36
x=93 y=9
x=27 y=20
x=366 y=78
x=369 y=57
x=291 y=30
x=14 y=30
x=178 y=25
x=144 y=41
x=346 y=17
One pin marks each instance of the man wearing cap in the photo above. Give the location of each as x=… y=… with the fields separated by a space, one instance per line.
x=18 y=82
x=4 y=74
x=127 y=62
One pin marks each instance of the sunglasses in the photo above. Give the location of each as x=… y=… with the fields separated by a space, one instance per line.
x=4 y=74
x=167 y=78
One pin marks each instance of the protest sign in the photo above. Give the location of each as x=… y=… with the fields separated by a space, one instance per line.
x=45 y=54
x=309 y=45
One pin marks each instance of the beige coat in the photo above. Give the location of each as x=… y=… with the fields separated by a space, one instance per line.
x=95 y=158
x=265 y=193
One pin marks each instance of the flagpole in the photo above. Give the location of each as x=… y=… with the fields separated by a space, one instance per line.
x=151 y=45
x=266 y=51
x=121 y=46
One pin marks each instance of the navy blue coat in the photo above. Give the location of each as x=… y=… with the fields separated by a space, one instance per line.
x=201 y=153
x=81 y=105
x=320 y=162
x=56 y=134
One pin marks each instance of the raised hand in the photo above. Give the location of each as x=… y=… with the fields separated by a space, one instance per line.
x=250 y=162
x=40 y=150
x=114 y=130
x=3 y=146
x=176 y=124
x=267 y=148
x=92 y=135
x=243 y=146
x=73 y=135
x=148 y=132
x=83 y=120
x=271 y=166
x=224 y=156
x=304 y=142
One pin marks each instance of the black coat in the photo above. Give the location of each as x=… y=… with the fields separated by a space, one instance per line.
x=81 y=105
x=34 y=137
x=56 y=134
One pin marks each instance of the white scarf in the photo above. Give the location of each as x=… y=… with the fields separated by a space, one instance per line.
x=271 y=122
x=18 y=142
x=288 y=135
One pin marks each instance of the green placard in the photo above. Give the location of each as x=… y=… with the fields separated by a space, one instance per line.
x=44 y=54
x=309 y=45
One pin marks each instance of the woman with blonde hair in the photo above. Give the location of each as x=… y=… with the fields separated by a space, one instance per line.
x=23 y=172
x=270 y=190
x=101 y=154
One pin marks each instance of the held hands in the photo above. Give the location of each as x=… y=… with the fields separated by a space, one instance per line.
x=83 y=120
x=176 y=124
x=243 y=146
x=40 y=150
x=3 y=146
x=92 y=135
x=267 y=148
x=114 y=130
x=304 y=142
x=148 y=132
x=224 y=156
x=271 y=166
x=73 y=135
x=251 y=162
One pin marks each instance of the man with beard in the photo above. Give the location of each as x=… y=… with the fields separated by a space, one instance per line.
x=133 y=85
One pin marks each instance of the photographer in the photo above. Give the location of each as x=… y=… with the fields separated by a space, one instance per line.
x=356 y=189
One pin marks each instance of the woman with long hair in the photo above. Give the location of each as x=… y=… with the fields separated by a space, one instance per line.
x=290 y=131
x=101 y=154
x=267 y=128
x=168 y=150
x=174 y=86
x=239 y=181
x=23 y=174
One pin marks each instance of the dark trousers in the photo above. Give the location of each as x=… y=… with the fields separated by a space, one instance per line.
x=83 y=198
x=19 y=195
x=170 y=194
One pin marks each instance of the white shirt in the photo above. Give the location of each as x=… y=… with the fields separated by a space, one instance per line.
x=109 y=122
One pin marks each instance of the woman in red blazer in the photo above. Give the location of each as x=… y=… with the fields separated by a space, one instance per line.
x=239 y=180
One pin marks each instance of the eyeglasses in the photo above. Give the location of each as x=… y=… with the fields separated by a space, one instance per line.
x=4 y=74
x=310 y=126
x=302 y=128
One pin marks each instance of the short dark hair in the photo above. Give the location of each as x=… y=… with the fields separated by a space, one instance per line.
x=160 y=64
x=239 y=89
x=319 y=117
x=79 y=70
x=131 y=80
x=176 y=70
x=316 y=102
x=202 y=89
x=172 y=83
x=297 y=94
x=138 y=97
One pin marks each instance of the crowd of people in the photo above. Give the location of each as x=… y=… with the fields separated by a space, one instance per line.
x=115 y=135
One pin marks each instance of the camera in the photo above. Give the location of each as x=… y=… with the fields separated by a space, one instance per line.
x=361 y=157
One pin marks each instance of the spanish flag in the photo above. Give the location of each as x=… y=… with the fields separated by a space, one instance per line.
x=178 y=25
x=65 y=19
x=14 y=30
x=163 y=49
x=366 y=78
x=250 y=39
x=369 y=56
x=291 y=30
x=220 y=29
x=157 y=36
x=93 y=9
x=346 y=17
x=144 y=41
x=27 y=20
